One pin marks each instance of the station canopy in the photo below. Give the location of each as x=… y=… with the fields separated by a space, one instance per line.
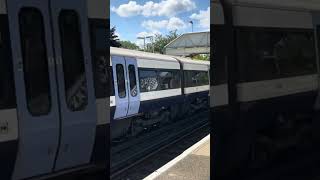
x=189 y=44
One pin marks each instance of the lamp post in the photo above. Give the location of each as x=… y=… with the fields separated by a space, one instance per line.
x=144 y=42
x=151 y=38
x=191 y=22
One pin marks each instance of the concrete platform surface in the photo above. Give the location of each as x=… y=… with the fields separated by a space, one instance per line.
x=192 y=164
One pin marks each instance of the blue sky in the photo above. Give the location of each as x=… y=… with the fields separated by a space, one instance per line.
x=148 y=17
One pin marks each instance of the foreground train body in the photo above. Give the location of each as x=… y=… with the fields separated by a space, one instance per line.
x=148 y=89
x=53 y=100
x=265 y=66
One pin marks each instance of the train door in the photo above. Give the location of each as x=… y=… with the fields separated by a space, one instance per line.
x=75 y=82
x=37 y=101
x=134 y=89
x=120 y=86
x=55 y=96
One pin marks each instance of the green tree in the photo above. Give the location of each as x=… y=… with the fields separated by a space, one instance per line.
x=160 y=41
x=114 y=39
x=201 y=57
x=129 y=45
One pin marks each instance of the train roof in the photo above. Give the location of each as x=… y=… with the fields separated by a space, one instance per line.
x=189 y=64
x=140 y=54
x=146 y=59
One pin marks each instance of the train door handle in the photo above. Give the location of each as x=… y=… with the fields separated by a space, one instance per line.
x=51 y=61
x=58 y=61
x=4 y=127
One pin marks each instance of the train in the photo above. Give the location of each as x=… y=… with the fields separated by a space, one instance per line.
x=150 y=89
x=53 y=89
x=265 y=79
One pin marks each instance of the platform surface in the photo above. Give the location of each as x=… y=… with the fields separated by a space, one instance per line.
x=192 y=164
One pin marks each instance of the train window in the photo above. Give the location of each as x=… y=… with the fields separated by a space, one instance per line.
x=219 y=64
x=121 y=81
x=196 y=78
x=99 y=60
x=7 y=92
x=169 y=79
x=73 y=61
x=35 y=64
x=270 y=54
x=133 y=80
x=148 y=80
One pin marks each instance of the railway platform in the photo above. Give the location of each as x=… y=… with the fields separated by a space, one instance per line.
x=192 y=164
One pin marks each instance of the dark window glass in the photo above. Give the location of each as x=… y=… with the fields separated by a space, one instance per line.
x=133 y=80
x=121 y=80
x=218 y=60
x=7 y=90
x=159 y=79
x=169 y=79
x=148 y=80
x=111 y=81
x=101 y=38
x=269 y=54
x=35 y=64
x=73 y=61
x=196 y=78
x=100 y=64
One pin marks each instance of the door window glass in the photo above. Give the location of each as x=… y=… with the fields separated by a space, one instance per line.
x=7 y=90
x=73 y=61
x=133 y=80
x=35 y=64
x=99 y=60
x=121 y=81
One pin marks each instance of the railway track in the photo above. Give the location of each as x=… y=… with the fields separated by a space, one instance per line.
x=167 y=143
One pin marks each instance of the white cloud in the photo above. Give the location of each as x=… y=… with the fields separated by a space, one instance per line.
x=171 y=24
x=203 y=17
x=154 y=25
x=163 y=8
x=127 y=10
x=176 y=23
x=145 y=34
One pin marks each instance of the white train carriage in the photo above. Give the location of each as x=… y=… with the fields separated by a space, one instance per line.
x=265 y=69
x=151 y=88
x=48 y=103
